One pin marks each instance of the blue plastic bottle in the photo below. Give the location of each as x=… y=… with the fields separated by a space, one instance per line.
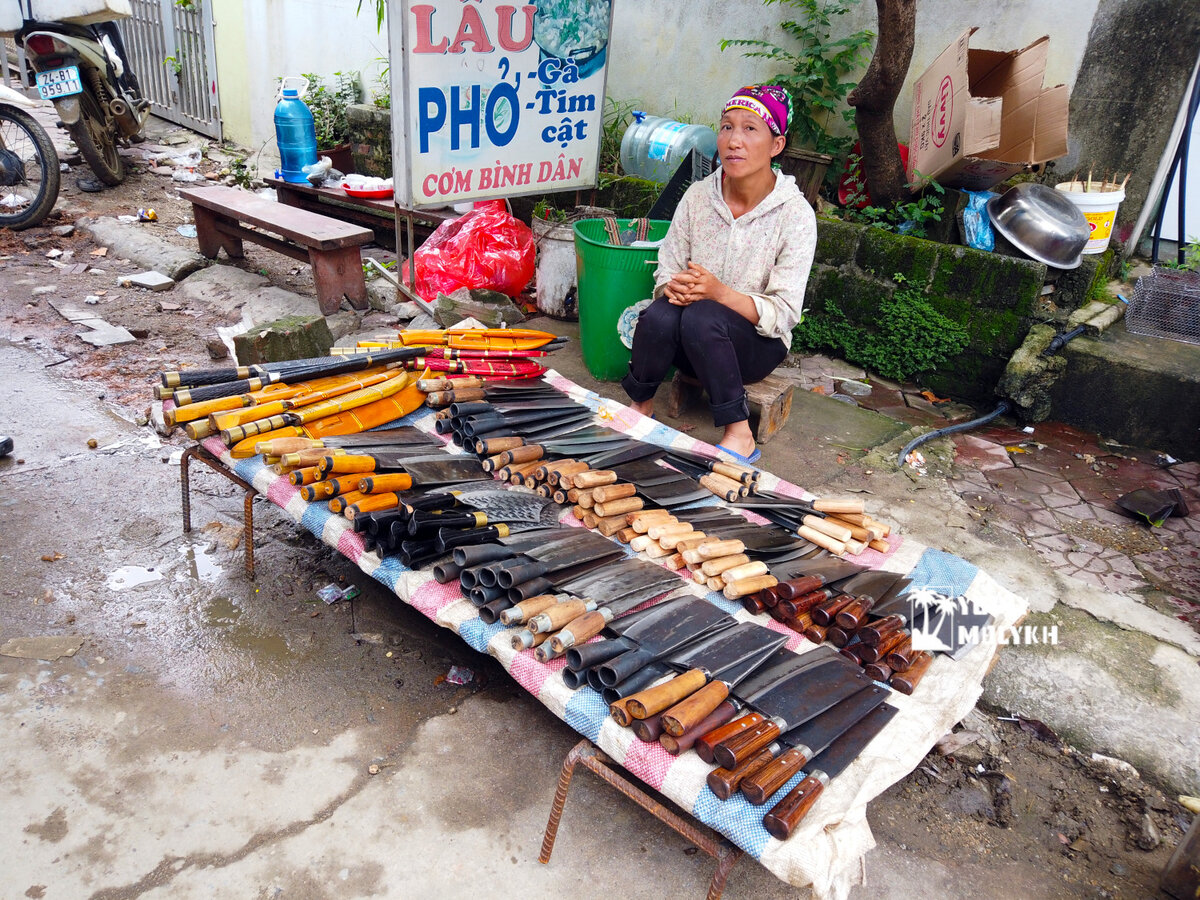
x=296 y=136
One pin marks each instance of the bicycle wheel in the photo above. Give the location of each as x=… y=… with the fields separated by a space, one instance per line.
x=28 y=170
x=96 y=142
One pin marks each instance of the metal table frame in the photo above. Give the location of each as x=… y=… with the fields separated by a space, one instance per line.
x=600 y=764
x=197 y=451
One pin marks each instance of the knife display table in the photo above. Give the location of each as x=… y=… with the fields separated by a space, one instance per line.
x=826 y=850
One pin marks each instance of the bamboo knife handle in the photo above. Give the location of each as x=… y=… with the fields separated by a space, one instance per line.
x=745 y=570
x=617 y=507
x=607 y=492
x=835 y=531
x=840 y=506
x=821 y=540
x=591 y=479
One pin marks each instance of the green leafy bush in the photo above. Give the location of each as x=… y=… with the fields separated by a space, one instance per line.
x=328 y=100
x=908 y=218
x=813 y=69
x=908 y=337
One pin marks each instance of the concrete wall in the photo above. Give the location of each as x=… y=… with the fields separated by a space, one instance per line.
x=259 y=40
x=647 y=36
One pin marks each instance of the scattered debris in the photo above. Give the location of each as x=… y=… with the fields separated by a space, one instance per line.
x=154 y=281
x=460 y=675
x=51 y=557
x=62 y=230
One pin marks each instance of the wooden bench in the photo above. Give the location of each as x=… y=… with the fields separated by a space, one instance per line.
x=329 y=246
x=770 y=402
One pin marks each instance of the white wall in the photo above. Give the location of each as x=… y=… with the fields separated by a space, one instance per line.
x=287 y=37
x=666 y=53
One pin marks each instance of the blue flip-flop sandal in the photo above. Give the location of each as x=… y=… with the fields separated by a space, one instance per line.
x=745 y=460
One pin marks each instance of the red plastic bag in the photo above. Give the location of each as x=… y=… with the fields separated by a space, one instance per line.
x=485 y=248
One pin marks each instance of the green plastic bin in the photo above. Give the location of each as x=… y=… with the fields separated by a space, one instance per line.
x=611 y=278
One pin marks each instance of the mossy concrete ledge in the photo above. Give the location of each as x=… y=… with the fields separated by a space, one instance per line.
x=370 y=139
x=292 y=337
x=994 y=297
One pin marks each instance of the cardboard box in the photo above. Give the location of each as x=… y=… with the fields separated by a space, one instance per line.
x=981 y=116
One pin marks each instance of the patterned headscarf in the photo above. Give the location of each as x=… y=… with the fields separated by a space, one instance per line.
x=769 y=101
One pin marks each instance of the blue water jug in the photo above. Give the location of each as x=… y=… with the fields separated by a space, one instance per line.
x=653 y=147
x=296 y=136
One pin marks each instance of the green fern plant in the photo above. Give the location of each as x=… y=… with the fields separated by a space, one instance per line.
x=813 y=69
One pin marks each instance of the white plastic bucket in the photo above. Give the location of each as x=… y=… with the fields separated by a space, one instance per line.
x=1099 y=206
x=555 y=242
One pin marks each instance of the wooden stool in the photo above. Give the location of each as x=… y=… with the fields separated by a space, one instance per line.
x=770 y=402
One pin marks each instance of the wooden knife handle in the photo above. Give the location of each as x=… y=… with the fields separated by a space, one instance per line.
x=711 y=567
x=706 y=744
x=906 y=682
x=900 y=657
x=835 y=531
x=341 y=501
x=798 y=587
x=744 y=586
x=753 y=603
x=744 y=570
x=370 y=503
x=523 y=454
x=815 y=633
x=848 y=505
x=824 y=613
x=854 y=614
x=734 y=751
x=787 y=813
x=759 y=787
x=715 y=719
x=520 y=612
x=716 y=549
x=347 y=463
x=654 y=700
x=620 y=712
x=690 y=711
x=606 y=493
x=821 y=540
x=617 y=507
x=591 y=479
x=725 y=782
x=798 y=606
x=492 y=446
x=556 y=616
x=723 y=487
x=391 y=481
x=735 y=472
x=877 y=671
x=877 y=631
x=876 y=652
x=303 y=476
x=580 y=630
x=647 y=730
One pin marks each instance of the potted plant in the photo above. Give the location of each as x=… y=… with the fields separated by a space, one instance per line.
x=328 y=100
x=814 y=67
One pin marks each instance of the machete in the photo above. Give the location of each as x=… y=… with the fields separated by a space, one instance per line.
x=785 y=815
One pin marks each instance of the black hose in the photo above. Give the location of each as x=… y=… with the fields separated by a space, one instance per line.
x=1005 y=406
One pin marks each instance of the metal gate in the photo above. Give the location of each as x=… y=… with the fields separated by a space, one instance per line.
x=172 y=52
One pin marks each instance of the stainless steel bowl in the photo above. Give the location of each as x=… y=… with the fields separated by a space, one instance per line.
x=1041 y=222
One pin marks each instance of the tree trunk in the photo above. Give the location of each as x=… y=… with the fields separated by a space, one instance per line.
x=875 y=99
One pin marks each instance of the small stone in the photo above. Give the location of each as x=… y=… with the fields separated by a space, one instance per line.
x=216 y=348
x=53 y=254
x=92 y=445
x=43 y=289
x=91 y=299
x=453 y=710
x=1119 y=869
x=1149 y=837
x=62 y=230
x=372 y=769
x=154 y=281
x=167 y=171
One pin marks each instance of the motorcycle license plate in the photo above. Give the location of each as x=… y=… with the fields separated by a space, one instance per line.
x=56 y=83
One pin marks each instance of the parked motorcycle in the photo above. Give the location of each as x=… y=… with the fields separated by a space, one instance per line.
x=84 y=71
x=29 y=171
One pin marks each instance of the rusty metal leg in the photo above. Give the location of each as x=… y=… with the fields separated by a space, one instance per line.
x=185 y=484
x=596 y=761
x=196 y=451
x=248 y=525
x=560 y=798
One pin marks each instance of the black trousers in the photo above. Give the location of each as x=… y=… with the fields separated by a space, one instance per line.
x=707 y=341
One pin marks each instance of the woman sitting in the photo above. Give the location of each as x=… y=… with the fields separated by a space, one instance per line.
x=729 y=287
